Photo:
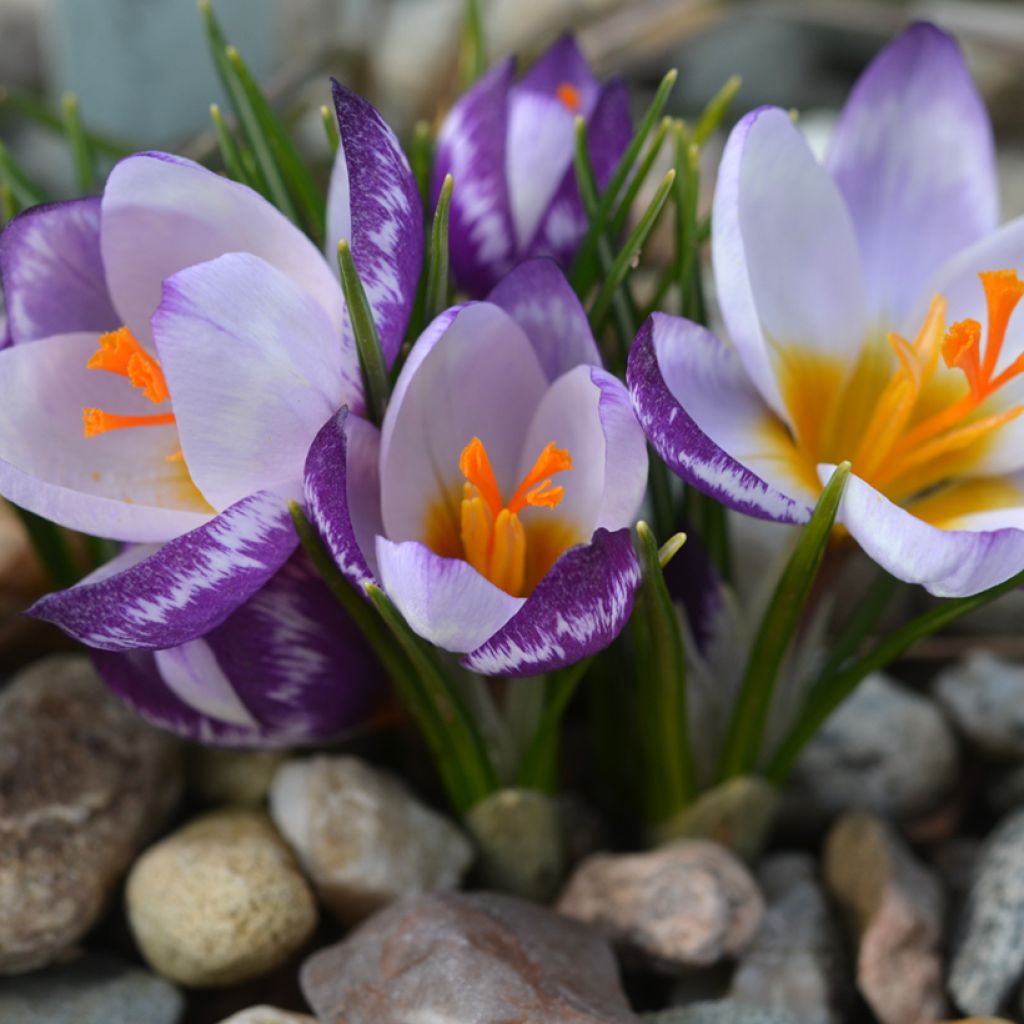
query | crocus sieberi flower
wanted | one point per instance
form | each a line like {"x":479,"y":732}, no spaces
{"x":173,"y":348}
{"x":493,"y":506}
{"x":509,"y":147}
{"x":869,"y":303}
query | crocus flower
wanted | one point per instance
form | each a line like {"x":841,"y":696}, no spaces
{"x":494,"y":503}
{"x":173,"y":348}
{"x":869,"y":302}
{"x":509,"y":148}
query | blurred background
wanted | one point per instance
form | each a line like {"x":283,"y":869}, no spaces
{"x":143,"y":77}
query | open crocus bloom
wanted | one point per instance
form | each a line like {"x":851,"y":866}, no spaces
{"x":509,"y":147}
{"x":173,"y":349}
{"x":494,"y":504}
{"x":870,"y":304}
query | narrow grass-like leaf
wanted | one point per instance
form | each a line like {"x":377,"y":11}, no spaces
{"x":371,"y":356}
{"x":636,"y":183}
{"x":50,"y":543}
{"x":24,"y":190}
{"x":717,"y":107}
{"x":40,"y":113}
{"x":460,"y":730}
{"x":8,"y":207}
{"x":629,"y":252}
{"x":832,"y":690}
{"x":330,"y":122}
{"x":742,"y":747}
{"x":81,"y":152}
{"x":687,"y":191}
{"x":229,"y":151}
{"x":670,"y":549}
{"x":438,"y":265}
{"x":660,"y":682}
{"x":474,"y":45}
{"x":421,"y":159}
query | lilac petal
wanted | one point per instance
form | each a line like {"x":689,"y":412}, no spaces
{"x":563,"y":64}
{"x":254,"y":367}
{"x":785,"y":255}
{"x":471,"y":147}
{"x":914,"y":157}
{"x":162,"y":213}
{"x":444,"y":600}
{"x":947,"y":563}
{"x":121,"y":484}
{"x":578,"y":609}
{"x":539,"y":298}
{"x":681,"y":441}
{"x":374,"y":204}
{"x":343,"y":493}
{"x":52,"y":272}
{"x":609,"y":130}
{"x":183,"y":589}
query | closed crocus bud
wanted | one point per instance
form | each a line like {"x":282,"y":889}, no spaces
{"x":509,"y":147}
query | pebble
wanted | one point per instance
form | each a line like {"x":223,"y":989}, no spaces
{"x":886,"y":750}
{"x":362,"y":837}
{"x":724,"y":1011}
{"x":93,"y":989}
{"x":219,"y":901}
{"x":463,"y":958}
{"x":83,"y":784}
{"x":988,"y":948}
{"x":268,"y":1015}
{"x":796,"y":962}
{"x":225,"y":776}
{"x":689,"y":904}
{"x":519,"y":837}
{"x":984,"y":696}
{"x":893,"y":907}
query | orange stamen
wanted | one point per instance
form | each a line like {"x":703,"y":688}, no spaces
{"x":570,"y":96}
{"x":96,"y":421}
{"x":120,"y":353}
{"x":961,"y":349}
{"x":1003,"y":290}
{"x":492,"y":534}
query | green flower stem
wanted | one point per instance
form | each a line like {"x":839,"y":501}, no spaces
{"x":830,"y":692}
{"x":438,"y":261}
{"x":539,"y":766}
{"x":742,"y":746}
{"x":670,"y":777}
{"x":81,"y":152}
{"x":371,"y":357}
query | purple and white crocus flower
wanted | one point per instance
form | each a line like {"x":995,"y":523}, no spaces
{"x":173,"y":348}
{"x":509,"y":148}
{"x":494,"y":504}
{"x":869,"y":302}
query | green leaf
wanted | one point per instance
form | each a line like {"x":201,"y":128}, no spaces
{"x":8,"y":207}
{"x":716,"y":109}
{"x":40,"y":113}
{"x":474,"y":46}
{"x":585,"y":268}
{"x":670,"y":549}
{"x":687,"y":192}
{"x":371,"y":357}
{"x":660,"y":683}
{"x":50,"y":543}
{"x":81,"y":152}
{"x":24,"y":191}
{"x":636,"y":183}
{"x":629,"y":252}
{"x":421,"y":159}
{"x":438,"y":264}
{"x":330,"y":122}
{"x":229,"y":151}
{"x":742,"y":746}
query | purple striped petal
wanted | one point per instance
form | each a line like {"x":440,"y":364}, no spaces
{"x":539,"y":298}
{"x":578,"y":609}
{"x":343,"y":493}
{"x":471,"y":147}
{"x":563,"y":64}
{"x":914,"y":139}
{"x":183,"y":589}
{"x":374,"y":203}
{"x":52,"y":272}
{"x":684,"y":446}
{"x":947,"y":563}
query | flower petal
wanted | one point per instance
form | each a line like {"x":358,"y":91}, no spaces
{"x":947,"y":563}
{"x":254,"y":367}
{"x":578,"y":609}
{"x":480,"y":379}
{"x":162,"y":598}
{"x":163,"y":213}
{"x":374,"y":204}
{"x":119,"y":484}
{"x":471,"y":147}
{"x":444,"y":600}
{"x":699,"y":411}
{"x":914,"y":139}
{"x":343,"y":493}
{"x":562,"y":64}
{"x":52,"y":273}
{"x":785,"y":256}
{"x":539,"y":298}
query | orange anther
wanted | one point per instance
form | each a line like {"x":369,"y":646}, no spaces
{"x":475,"y":466}
{"x":120,"y":353}
{"x":961,"y":349}
{"x":551,"y":460}
{"x":1003,"y":290}
{"x":570,"y":96}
